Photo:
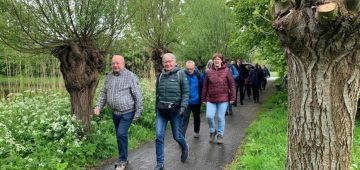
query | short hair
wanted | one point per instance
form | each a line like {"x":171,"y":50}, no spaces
{"x":171,"y":55}
{"x":190,"y":62}
{"x":119,"y":56}
{"x":218,"y":55}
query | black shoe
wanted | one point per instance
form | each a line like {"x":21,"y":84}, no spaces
{"x":241,"y":103}
{"x":159,"y":167}
{"x":185,"y":154}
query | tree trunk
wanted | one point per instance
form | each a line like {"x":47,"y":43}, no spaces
{"x":80,"y":67}
{"x":324,"y":81}
{"x":156,"y":56}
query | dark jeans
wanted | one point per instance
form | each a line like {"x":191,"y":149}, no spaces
{"x":264,"y":82}
{"x":161,"y":123}
{"x":242,"y":93}
{"x":248,"y":90}
{"x":195,"y":109}
{"x":122,"y":123}
{"x":255,"y":90}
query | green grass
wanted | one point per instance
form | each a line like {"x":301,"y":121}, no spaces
{"x":266,"y":139}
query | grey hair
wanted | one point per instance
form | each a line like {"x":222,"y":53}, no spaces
{"x":209,"y":63}
{"x":190,"y":62}
{"x":171,"y":55}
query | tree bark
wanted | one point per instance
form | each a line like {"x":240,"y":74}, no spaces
{"x":156,"y":56}
{"x":80,"y":67}
{"x":324,"y":82}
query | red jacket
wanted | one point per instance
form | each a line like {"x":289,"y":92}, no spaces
{"x":219,"y":86}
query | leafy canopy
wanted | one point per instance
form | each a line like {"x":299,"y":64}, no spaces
{"x":40,"y":25}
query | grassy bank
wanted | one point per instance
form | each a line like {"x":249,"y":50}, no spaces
{"x":38,"y":132}
{"x":266,"y":139}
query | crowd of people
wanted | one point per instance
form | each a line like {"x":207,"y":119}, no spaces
{"x":180,"y":92}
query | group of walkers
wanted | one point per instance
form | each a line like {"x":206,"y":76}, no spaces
{"x":178,"y":93}
{"x":252,"y":79}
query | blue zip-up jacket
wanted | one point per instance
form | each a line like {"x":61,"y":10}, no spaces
{"x":195,"y":85}
{"x":234,"y":72}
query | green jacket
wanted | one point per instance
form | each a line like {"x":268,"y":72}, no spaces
{"x":173,"y":87}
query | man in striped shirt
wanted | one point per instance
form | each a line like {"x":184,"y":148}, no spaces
{"x":122,"y":93}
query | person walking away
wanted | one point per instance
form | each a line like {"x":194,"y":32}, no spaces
{"x":122,"y":93}
{"x":195,"y":86}
{"x":256,"y":76}
{"x":243,"y":74}
{"x":266,"y":74}
{"x":247,"y":82}
{"x":172,"y":98}
{"x":218,"y":91}
{"x":236,"y":75}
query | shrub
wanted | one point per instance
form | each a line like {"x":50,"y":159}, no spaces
{"x":37,"y":131}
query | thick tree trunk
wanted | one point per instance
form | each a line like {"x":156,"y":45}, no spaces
{"x":322,"y":107}
{"x":156,"y":56}
{"x":80,"y":67}
{"x":324,"y":82}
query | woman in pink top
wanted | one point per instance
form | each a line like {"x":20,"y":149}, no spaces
{"x":218,"y":91}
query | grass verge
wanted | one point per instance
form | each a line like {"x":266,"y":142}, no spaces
{"x":266,"y":139}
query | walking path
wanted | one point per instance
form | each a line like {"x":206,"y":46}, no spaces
{"x":203,"y":155}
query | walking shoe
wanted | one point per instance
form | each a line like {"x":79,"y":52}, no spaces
{"x":121,"y":165}
{"x":185,"y":154}
{"x":219,"y":139}
{"x":212,"y":137}
{"x":197,"y":135}
{"x":159,"y":167}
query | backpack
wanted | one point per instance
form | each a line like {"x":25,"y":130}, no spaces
{"x":178,"y":76}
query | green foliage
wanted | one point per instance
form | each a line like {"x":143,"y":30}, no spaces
{"x":255,"y":39}
{"x":38,"y":132}
{"x":266,"y":139}
{"x":356,"y":147}
{"x":40,"y":26}
{"x":206,"y":26}
{"x":153,"y":21}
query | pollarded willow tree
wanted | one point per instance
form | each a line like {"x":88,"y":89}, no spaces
{"x":78,"y":33}
{"x":153,"y":21}
{"x":206,"y":26}
{"x":321,"y":41}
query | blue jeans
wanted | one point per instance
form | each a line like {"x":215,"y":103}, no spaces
{"x":122,"y":124}
{"x":161,"y":123}
{"x":220,"y":109}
